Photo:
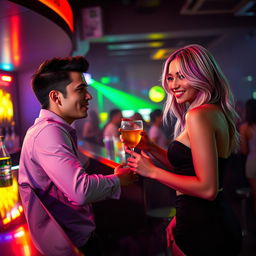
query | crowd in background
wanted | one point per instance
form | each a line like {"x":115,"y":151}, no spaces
{"x":89,"y":129}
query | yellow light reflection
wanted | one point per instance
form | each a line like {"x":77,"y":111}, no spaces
{"x":162,"y":54}
{"x":6,"y":107}
{"x":103,"y":117}
{"x":156,"y":36}
{"x":26,"y":250}
{"x":8,"y":199}
{"x":156,"y":93}
{"x":156,"y":44}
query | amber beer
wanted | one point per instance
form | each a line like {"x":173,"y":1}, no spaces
{"x":131,"y":137}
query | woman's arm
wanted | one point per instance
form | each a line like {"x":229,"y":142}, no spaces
{"x":156,"y":151}
{"x":160,"y":155}
{"x":205,"y":159}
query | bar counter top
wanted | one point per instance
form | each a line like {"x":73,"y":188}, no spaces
{"x":99,"y":153}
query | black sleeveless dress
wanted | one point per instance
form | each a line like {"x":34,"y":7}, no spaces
{"x":203,"y":227}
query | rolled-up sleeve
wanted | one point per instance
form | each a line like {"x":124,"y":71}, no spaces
{"x":54,"y":151}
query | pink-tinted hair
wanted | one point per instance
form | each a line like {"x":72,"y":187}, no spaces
{"x":204,"y":74}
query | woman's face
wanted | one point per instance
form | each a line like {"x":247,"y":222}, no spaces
{"x":178,"y":85}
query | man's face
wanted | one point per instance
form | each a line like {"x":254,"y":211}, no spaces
{"x":75,"y":105}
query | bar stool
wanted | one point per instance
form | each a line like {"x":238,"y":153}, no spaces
{"x":244,"y":194}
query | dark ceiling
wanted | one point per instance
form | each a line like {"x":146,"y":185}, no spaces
{"x":139,"y":28}
{"x":27,"y":38}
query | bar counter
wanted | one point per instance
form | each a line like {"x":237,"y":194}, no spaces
{"x":145,"y":199}
{"x":99,"y":153}
{"x":115,"y":217}
{"x":136,"y":223}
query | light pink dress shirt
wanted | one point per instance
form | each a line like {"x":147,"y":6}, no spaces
{"x":49,"y":164}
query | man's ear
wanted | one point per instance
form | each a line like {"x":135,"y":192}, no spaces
{"x":54,"y":96}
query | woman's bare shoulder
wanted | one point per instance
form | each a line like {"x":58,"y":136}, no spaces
{"x":206,"y":108}
{"x":203,"y":111}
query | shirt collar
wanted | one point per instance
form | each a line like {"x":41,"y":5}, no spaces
{"x":49,"y":115}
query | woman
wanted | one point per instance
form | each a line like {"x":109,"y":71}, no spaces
{"x":205,"y":135}
{"x":248,"y":145}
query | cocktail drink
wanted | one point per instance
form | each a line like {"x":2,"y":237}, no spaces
{"x":131,"y":132}
{"x":131,"y":137}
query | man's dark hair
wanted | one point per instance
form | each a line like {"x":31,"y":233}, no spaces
{"x":154,"y":114}
{"x":113,"y":113}
{"x":54,"y":74}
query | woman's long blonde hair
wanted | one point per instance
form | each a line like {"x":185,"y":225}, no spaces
{"x":204,"y":74}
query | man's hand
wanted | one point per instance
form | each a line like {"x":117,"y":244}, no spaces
{"x":125,"y":175}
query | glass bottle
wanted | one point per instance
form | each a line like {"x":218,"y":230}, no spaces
{"x":5,"y":166}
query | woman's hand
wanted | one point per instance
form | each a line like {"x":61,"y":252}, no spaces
{"x":145,"y":143}
{"x":140,"y":163}
{"x":169,"y":232}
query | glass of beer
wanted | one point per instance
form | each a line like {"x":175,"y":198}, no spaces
{"x":131,"y":132}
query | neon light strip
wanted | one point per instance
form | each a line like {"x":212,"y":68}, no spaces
{"x":6,"y":47}
{"x":15,"y":29}
{"x":62,"y":8}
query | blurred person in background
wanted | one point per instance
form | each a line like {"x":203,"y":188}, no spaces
{"x":91,"y":129}
{"x":49,"y":162}
{"x":248,"y":145}
{"x":111,"y":128}
{"x":205,"y":134}
{"x":156,"y":133}
{"x":138,"y":116}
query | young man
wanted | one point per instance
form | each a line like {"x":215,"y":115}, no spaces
{"x":49,"y":161}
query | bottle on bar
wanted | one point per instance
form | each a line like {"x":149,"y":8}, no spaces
{"x":5,"y":165}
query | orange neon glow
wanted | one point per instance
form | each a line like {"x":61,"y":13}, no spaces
{"x":15,"y":35}
{"x":62,"y":8}
{"x":22,"y":237}
{"x":6,"y":78}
